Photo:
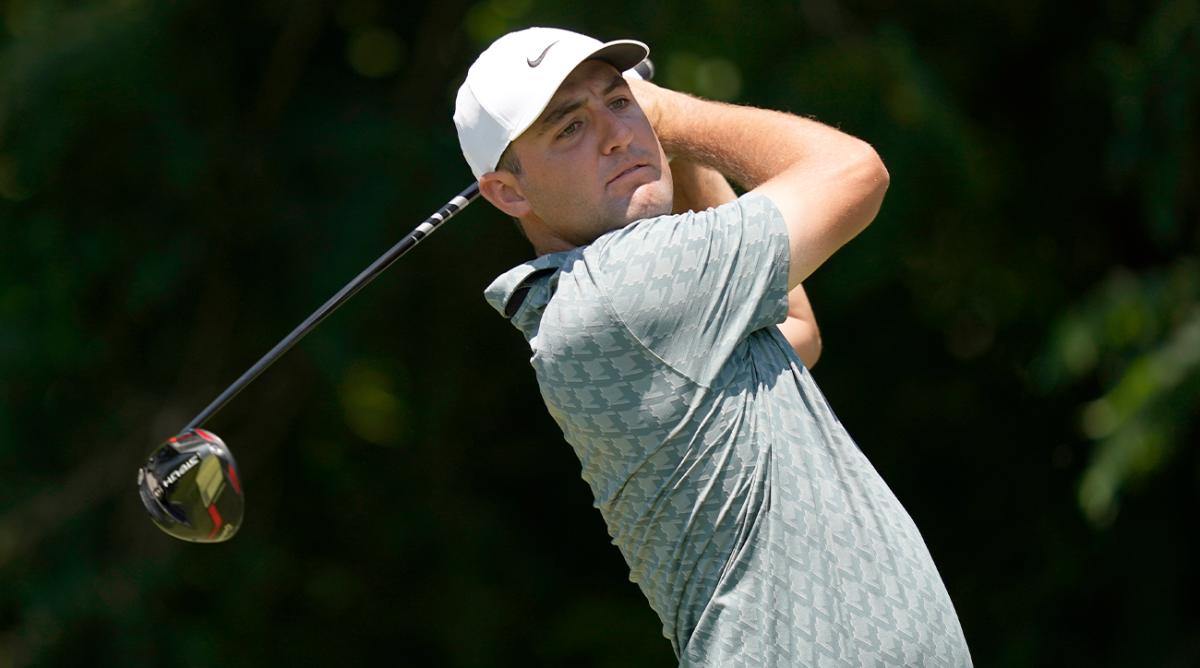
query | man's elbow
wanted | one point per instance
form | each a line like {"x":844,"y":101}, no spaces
{"x":809,"y":350}
{"x":804,"y":337}
{"x":873,"y":179}
{"x":865,"y":180}
{"x":881,"y":177}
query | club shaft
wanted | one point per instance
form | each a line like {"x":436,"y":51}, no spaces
{"x":458,"y":203}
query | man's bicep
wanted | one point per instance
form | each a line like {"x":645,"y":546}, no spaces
{"x":824,"y":207}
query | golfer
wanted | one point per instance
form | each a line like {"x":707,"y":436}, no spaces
{"x":753,"y":524}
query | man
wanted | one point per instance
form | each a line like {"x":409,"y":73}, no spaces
{"x":754,"y":526}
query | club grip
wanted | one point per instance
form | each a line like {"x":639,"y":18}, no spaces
{"x":645,"y":69}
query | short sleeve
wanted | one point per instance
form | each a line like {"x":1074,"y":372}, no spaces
{"x":692,"y":287}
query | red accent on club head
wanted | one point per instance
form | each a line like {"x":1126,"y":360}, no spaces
{"x":206,"y":435}
{"x":216,"y":518}
{"x":172,"y":440}
{"x":233,"y":480}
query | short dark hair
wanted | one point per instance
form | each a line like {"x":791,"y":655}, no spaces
{"x":508,"y":161}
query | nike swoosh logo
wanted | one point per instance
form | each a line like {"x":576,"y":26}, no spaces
{"x":538,"y":61}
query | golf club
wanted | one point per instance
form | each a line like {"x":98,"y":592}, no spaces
{"x":190,"y":483}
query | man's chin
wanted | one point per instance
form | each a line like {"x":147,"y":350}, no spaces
{"x":648,"y":201}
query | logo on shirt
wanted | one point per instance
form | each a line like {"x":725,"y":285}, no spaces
{"x":538,"y":61}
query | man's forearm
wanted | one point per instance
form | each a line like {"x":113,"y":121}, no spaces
{"x":746,"y":144}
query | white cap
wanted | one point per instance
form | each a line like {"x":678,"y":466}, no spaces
{"x":513,"y":80}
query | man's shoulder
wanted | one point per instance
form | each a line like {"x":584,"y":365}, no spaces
{"x":748,"y":207}
{"x":651,"y":271}
{"x":666,"y":253}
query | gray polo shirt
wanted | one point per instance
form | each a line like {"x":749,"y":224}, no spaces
{"x":751,"y":521}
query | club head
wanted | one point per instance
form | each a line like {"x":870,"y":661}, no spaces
{"x":191,"y":489}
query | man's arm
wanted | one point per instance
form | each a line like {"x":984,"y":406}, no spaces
{"x":800,"y":328}
{"x":827,"y":184}
{"x":698,"y":188}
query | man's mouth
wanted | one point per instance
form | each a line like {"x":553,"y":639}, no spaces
{"x":626,"y":172}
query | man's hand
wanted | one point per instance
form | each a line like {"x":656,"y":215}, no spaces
{"x":649,"y":97}
{"x":827,"y":184}
{"x":698,"y":188}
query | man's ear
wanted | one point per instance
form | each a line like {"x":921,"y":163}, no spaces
{"x":502,"y":189}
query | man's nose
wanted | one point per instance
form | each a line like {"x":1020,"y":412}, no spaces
{"x":617,"y":133}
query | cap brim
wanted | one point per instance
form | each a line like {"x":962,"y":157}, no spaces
{"x":623,"y":54}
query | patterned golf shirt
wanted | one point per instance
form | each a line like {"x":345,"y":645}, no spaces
{"x":751,"y":521}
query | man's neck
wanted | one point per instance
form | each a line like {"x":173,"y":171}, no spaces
{"x":544,"y":242}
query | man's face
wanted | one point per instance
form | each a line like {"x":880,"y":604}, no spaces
{"x":591,"y":163}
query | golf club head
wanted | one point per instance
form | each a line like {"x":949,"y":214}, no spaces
{"x":191,"y":489}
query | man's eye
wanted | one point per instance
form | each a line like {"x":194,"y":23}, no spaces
{"x":569,"y":130}
{"x":619,"y":103}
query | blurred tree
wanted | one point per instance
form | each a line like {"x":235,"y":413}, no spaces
{"x":1015,"y":343}
{"x":1137,"y":334}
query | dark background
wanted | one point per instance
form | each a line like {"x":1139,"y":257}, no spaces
{"x":1014,"y":343}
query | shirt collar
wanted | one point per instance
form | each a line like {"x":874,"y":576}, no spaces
{"x":521,"y":293}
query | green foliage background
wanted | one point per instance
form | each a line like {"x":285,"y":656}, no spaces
{"x":1015,"y":342}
